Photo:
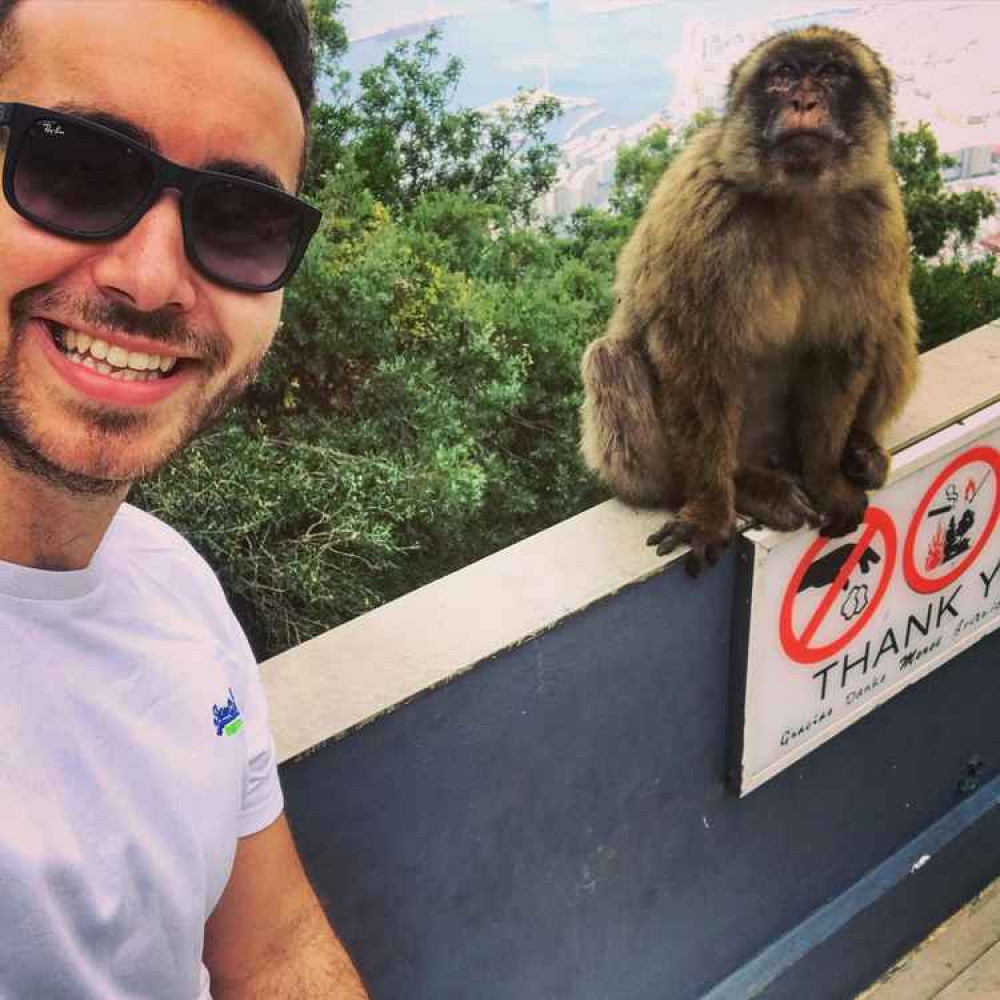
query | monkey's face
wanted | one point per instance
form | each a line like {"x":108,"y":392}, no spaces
{"x":811,"y":110}
{"x":802,"y":99}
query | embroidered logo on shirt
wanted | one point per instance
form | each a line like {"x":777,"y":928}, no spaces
{"x":227,"y":719}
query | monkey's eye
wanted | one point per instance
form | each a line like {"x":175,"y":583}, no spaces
{"x":783,"y":73}
{"x":831,"y":71}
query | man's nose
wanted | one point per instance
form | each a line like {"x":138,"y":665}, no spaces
{"x":147,"y":267}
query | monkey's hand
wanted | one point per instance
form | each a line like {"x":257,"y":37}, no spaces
{"x":774,"y":498}
{"x":865,"y":462}
{"x":706,"y":529}
{"x":843,"y":510}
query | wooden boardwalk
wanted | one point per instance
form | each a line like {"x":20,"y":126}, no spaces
{"x":959,"y":961}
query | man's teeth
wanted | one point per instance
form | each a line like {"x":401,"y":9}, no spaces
{"x":115,"y":361}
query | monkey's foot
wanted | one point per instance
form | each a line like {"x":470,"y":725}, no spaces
{"x":774,"y":498}
{"x":865,"y":462}
{"x":844,"y":511}
{"x":706,"y":540}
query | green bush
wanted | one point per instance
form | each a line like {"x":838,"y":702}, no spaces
{"x":416,"y":413}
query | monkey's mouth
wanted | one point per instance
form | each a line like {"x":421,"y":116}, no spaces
{"x":806,"y":152}
{"x":806,"y":137}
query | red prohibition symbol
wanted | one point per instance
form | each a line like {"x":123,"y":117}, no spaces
{"x":919,"y":581}
{"x":798,"y":646}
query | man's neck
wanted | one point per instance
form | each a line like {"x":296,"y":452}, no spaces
{"x":44,"y":527}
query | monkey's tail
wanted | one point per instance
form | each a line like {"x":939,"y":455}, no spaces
{"x":622,"y":438}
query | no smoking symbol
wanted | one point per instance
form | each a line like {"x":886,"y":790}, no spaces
{"x":851,"y":581}
{"x":954,"y":521}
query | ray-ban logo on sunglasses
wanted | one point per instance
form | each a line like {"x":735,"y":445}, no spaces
{"x":50,"y":128}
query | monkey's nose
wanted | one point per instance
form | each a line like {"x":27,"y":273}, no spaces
{"x":802,"y":104}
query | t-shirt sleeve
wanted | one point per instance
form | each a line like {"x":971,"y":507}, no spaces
{"x":148,"y":541}
{"x":263,"y":799}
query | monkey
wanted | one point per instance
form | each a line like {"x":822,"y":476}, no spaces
{"x":763,"y":335}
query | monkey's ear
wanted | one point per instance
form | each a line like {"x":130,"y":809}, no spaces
{"x":734,"y":75}
{"x":750,"y":64}
{"x":886,"y":79}
{"x":883,"y":72}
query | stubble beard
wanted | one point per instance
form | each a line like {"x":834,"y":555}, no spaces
{"x":28,"y":450}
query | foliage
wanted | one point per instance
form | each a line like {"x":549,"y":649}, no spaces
{"x":935,"y":215}
{"x":953,"y":298}
{"x":638,"y":168}
{"x":417,"y":412}
{"x":330,"y":114}
{"x":405,"y":139}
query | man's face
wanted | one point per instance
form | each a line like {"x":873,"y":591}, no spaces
{"x":209,"y":90}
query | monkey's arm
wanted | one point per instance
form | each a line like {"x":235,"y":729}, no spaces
{"x":827,"y":398}
{"x":894,"y":372}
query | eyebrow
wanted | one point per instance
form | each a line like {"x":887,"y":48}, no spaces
{"x":234,"y":168}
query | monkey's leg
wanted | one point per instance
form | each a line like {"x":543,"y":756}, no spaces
{"x":865,"y":461}
{"x":774,"y":498}
{"x":622,"y":437}
{"x":827,"y":393}
{"x":706,"y":408}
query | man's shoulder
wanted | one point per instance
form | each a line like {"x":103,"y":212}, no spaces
{"x":142,"y":532}
{"x":157,"y":565}
{"x":137,"y":535}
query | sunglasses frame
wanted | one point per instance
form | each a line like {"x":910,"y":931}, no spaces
{"x":19,"y":118}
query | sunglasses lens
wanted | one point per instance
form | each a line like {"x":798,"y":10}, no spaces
{"x":76,"y":179}
{"x":243,"y":234}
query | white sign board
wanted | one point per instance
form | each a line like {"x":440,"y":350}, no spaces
{"x":838,"y":626}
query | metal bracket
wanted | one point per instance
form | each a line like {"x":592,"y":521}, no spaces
{"x":972,"y":774}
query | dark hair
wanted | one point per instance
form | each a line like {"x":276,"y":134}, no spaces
{"x":8,"y":43}
{"x":284,"y":25}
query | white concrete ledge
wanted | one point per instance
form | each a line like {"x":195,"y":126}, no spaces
{"x":956,"y":379}
{"x":354,"y":673}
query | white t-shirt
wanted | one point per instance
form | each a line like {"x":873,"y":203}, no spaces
{"x":134,"y":751}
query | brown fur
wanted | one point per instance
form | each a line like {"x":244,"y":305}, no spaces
{"x":764,"y":334}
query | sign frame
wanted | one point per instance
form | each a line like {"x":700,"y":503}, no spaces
{"x":754,"y":615}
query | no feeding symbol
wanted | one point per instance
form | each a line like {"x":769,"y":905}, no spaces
{"x":954,"y":521}
{"x":850,"y":581}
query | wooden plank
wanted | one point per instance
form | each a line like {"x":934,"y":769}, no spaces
{"x":956,"y":379}
{"x":939,"y":962}
{"x":981,"y":981}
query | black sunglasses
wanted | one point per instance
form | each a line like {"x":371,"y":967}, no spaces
{"x":79,"y":179}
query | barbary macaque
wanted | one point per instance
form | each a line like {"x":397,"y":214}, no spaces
{"x":764,"y":334}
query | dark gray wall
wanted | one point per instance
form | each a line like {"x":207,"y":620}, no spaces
{"x":554,"y":825}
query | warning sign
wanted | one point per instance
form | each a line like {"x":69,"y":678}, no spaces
{"x":839,"y":626}
{"x":833,"y":594}
{"x":954,"y":521}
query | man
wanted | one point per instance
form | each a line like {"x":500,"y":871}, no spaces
{"x":141,"y":824}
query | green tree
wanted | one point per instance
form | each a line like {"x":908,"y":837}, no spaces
{"x":402,"y":133}
{"x":417,"y":412}
{"x":330,"y":118}
{"x":639,"y":167}
{"x":935,"y":215}
{"x":953,"y":298}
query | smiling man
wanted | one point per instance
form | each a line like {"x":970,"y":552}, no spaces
{"x":150,"y":154}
